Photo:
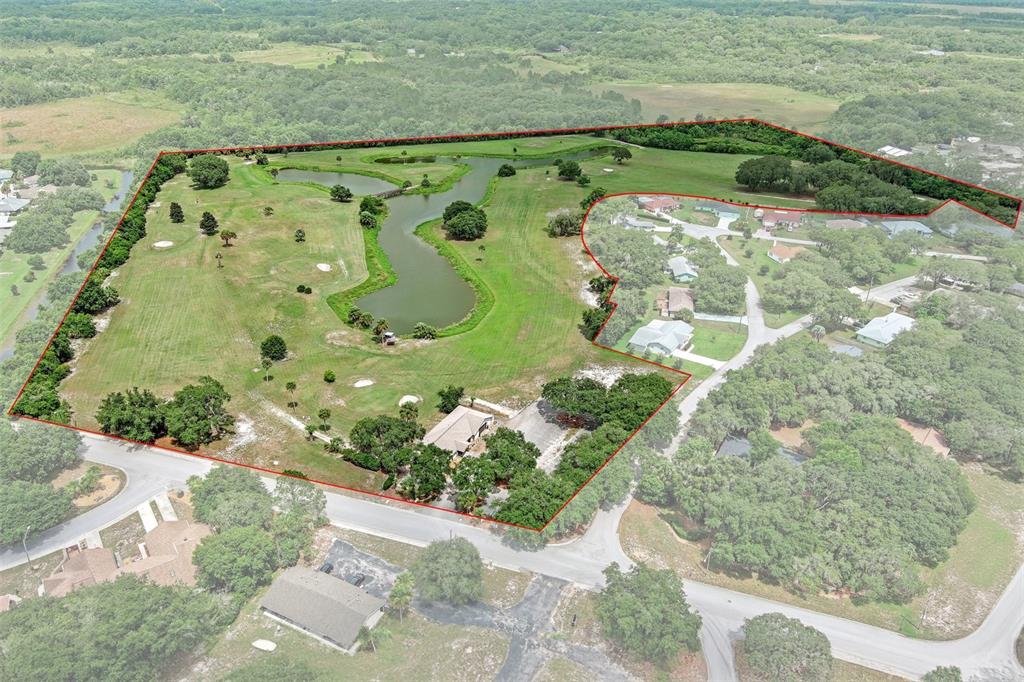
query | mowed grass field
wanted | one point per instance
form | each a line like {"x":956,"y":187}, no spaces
{"x":678,"y":172}
{"x":785,"y":106}
{"x":182,"y":317}
{"x":84,"y":124}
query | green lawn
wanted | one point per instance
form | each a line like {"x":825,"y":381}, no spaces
{"x":718,"y":340}
{"x":181,"y":317}
{"x":14,"y":266}
{"x":678,"y":172}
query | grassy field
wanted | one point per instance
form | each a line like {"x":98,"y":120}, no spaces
{"x":718,"y":340}
{"x":786,"y":106}
{"x":959,"y":592}
{"x":666,"y":170}
{"x":292,"y":54}
{"x":214,"y":320}
{"x":14,"y":266}
{"x":84,"y":124}
{"x":182,"y":317}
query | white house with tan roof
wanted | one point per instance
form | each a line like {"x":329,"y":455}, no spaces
{"x":459,"y":429}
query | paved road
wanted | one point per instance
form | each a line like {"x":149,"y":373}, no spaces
{"x":984,"y":653}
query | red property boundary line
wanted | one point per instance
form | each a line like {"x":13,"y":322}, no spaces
{"x":469,"y":137}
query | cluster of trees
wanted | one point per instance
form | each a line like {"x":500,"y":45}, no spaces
{"x":61,"y":172}
{"x":45,"y":227}
{"x":450,"y":571}
{"x":195,"y":416}
{"x":128,"y":629}
{"x":464,"y":221}
{"x":891,"y":504}
{"x":613,"y":413}
{"x":817,"y":281}
{"x":645,"y":612}
{"x":29,"y":459}
{"x":566,"y":223}
{"x":256,"y":531}
{"x":837,"y":185}
{"x":41,"y":398}
{"x":371,"y":211}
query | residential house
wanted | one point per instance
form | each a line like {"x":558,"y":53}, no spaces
{"x":845,"y":224}
{"x":787,"y":219}
{"x":166,"y":560}
{"x":661,"y":337}
{"x":895,"y":227}
{"x":326,"y":608}
{"x":634,"y":223}
{"x":681,"y":269}
{"x":655,"y":204}
{"x":893,"y":151}
{"x":81,"y":568}
{"x":167,"y":553}
{"x":673,"y":301}
{"x":783,"y":253}
{"x":10,"y":206}
{"x":721,"y":210}
{"x":459,"y":429}
{"x":880,"y":331}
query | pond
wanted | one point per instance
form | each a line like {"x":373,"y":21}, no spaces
{"x":428,"y":288}
{"x":360,"y":185}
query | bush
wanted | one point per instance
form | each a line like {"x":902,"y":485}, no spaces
{"x":329,"y":376}
{"x":507,"y":170}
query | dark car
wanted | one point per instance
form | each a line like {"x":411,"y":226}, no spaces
{"x":356,"y":579}
{"x":327,"y":567}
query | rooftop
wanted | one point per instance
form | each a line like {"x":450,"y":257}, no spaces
{"x":455,"y":432}
{"x":322,"y":604}
{"x":884,"y":329}
{"x":668,"y":334}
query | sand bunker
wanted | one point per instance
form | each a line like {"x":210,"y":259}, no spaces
{"x":323,"y":267}
{"x":163,"y":245}
{"x":408,"y":399}
{"x":363,"y":383}
{"x":608,"y":170}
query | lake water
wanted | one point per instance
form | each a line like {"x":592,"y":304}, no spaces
{"x":428,"y":288}
{"x":360,"y":185}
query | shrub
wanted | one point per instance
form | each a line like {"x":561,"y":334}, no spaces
{"x":329,"y":376}
{"x":273,"y":348}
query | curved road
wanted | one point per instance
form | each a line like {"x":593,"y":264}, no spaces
{"x":987,"y":653}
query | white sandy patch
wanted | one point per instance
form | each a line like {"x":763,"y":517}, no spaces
{"x":323,"y":267}
{"x":608,"y":170}
{"x":409,"y":399}
{"x":245,"y":433}
{"x":363,"y":383}
{"x":164,"y":244}
{"x":341,"y":266}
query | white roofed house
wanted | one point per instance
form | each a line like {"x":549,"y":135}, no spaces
{"x":10,"y":206}
{"x":661,"y":337}
{"x":459,"y":429}
{"x":880,"y":331}
{"x":719,"y":209}
{"x":681,"y":269}
{"x":895,"y":227}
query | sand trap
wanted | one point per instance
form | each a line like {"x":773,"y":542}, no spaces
{"x":163,"y":245}
{"x":363,"y":383}
{"x":323,"y":267}
{"x":408,"y":399}
{"x":608,"y":170}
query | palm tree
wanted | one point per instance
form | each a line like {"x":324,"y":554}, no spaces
{"x":374,"y":636}
{"x":267,"y":364}
{"x":818,"y":332}
{"x":324,"y":415}
{"x":290,"y":387}
{"x":310,"y":430}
